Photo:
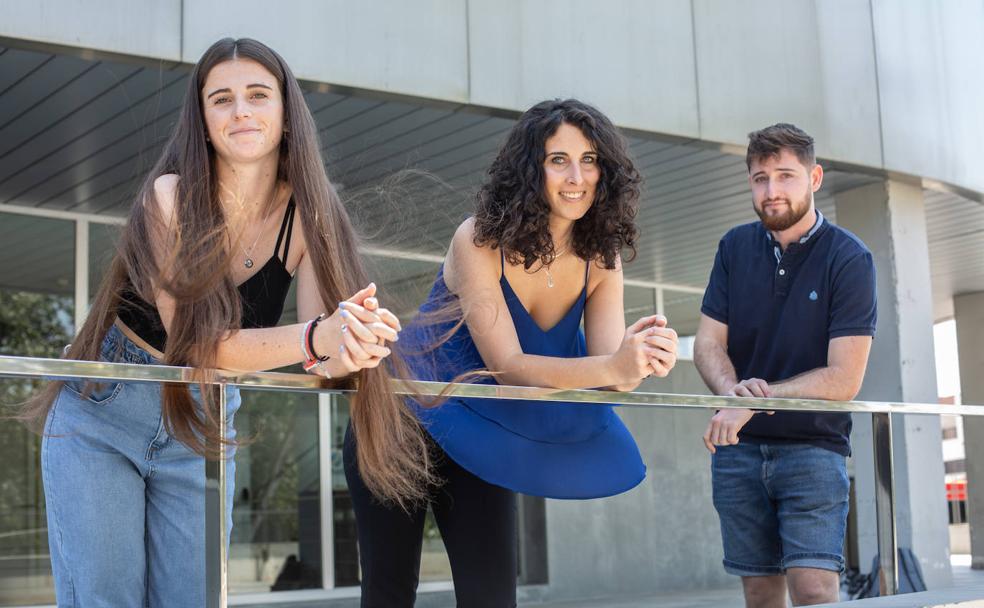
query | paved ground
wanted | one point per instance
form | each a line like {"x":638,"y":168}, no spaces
{"x":967,"y":584}
{"x":963,"y":579}
{"x":700,"y":599}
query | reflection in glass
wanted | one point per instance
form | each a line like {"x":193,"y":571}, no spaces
{"x":36,"y":318}
{"x":102,"y":246}
{"x":276,"y":535}
{"x":434,"y":564}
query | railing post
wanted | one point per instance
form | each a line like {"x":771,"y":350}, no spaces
{"x":215,"y":519}
{"x":888,"y":555}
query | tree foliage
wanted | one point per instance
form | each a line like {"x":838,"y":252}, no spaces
{"x":32,"y":325}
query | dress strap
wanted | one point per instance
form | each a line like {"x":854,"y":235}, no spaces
{"x":502,"y":262}
{"x":288,"y":227}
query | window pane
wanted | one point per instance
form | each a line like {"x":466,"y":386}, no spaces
{"x":36,"y":318}
{"x":682,"y":310}
{"x":276,"y":535}
{"x":102,"y":246}
{"x":434,"y":564}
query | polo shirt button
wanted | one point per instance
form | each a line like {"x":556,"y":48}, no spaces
{"x":782,"y":272}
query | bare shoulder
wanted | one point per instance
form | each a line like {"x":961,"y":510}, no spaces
{"x":165,"y":195}
{"x":464,"y":234}
{"x":599,"y":276}
{"x":465,"y":257}
{"x":463,"y":243}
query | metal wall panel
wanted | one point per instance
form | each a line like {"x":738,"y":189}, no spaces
{"x":931,"y":82}
{"x":149,"y":28}
{"x":632,"y":59}
{"x":759,"y":63}
{"x":416,"y":48}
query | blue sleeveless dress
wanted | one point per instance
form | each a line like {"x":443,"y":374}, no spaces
{"x":556,"y":450}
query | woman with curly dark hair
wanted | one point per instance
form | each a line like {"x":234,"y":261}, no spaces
{"x":541,"y":253}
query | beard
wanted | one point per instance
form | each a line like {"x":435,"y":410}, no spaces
{"x":777,"y":222}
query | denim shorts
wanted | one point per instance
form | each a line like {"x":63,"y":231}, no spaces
{"x":781,"y":507}
{"x":125,"y":501}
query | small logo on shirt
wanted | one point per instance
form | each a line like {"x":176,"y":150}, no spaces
{"x":813,"y":296}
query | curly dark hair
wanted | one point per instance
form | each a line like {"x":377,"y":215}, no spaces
{"x":513,"y":212}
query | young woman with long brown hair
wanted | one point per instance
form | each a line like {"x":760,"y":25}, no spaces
{"x":238,"y":204}
{"x":541,"y":253}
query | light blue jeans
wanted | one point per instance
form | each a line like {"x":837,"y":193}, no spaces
{"x":125,"y":501}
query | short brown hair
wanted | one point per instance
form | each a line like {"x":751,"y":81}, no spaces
{"x":770,"y":141}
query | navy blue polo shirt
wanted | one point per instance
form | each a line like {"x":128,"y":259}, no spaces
{"x":782,"y":308}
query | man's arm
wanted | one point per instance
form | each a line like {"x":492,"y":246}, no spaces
{"x":711,"y":356}
{"x":715,"y":367}
{"x":840,"y":380}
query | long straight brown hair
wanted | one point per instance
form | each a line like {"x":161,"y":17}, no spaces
{"x":393,"y":454}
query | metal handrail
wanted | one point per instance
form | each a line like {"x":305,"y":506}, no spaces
{"x":215,"y":470}
{"x":32,"y":367}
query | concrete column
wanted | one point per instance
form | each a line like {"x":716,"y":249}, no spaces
{"x":889,"y":217}
{"x":968,"y":310}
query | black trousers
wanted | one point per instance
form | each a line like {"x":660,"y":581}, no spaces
{"x":477,"y":521}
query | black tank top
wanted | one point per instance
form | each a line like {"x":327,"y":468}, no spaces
{"x":262,"y":295}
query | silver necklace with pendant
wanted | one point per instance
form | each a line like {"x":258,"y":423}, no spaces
{"x":546,"y":267}
{"x":248,"y":262}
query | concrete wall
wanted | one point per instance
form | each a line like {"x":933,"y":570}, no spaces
{"x":673,"y":540}
{"x":880,"y":83}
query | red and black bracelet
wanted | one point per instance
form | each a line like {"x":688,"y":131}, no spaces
{"x":311,"y":358}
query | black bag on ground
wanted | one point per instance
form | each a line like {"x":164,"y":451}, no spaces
{"x":910,"y":576}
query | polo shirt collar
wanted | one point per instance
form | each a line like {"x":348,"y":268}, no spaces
{"x":806,"y":237}
{"x":818,"y":225}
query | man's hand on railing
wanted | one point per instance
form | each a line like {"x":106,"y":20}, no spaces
{"x":724,"y":425}
{"x":752,"y":387}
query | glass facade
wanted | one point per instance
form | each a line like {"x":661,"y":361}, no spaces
{"x":290,"y":482}
{"x":277,"y":542}
{"x":276,"y":535}
{"x":36,"y":319}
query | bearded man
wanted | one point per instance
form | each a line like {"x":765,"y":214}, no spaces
{"x":789,"y":312}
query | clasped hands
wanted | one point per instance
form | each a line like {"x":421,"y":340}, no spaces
{"x":357,"y":331}
{"x":648,"y":348}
